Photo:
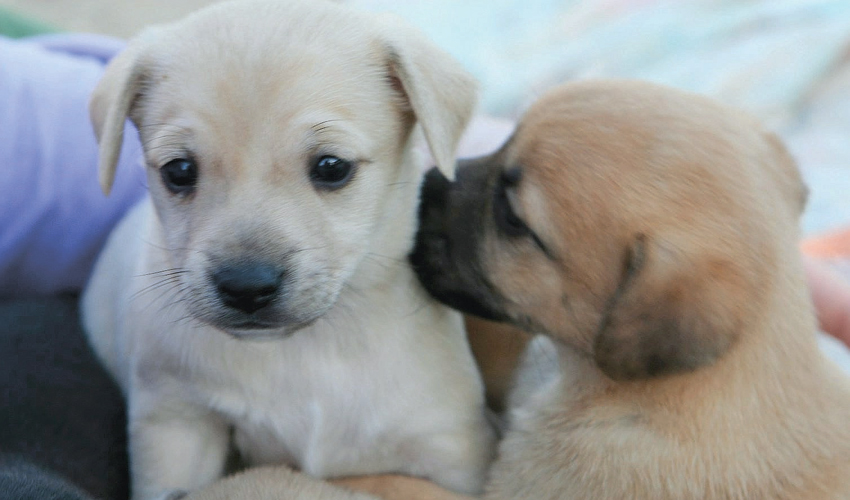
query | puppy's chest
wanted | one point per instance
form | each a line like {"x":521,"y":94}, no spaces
{"x":303,"y":404}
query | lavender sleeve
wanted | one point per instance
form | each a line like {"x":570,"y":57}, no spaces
{"x":53,"y":216}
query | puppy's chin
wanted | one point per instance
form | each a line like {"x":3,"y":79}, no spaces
{"x":468,"y":303}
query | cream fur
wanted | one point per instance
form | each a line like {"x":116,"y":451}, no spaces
{"x":361,"y":372}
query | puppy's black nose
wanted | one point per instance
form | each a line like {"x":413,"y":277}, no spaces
{"x":247,"y":286}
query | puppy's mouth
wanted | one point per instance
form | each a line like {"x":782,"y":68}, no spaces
{"x":251,"y":332}
{"x":251,"y":325}
{"x":247,"y":327}
{"x":260,"y":330}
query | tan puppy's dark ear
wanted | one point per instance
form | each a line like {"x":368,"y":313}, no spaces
{"x":670,"y":314}
{"x":439,"y":91}
{"x":110,"y":106}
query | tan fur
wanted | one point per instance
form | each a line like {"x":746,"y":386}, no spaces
{"x":498,"y":349}
{"x":674,"y":295}
{"x":337,"y":376}
{"x":755,"y":411}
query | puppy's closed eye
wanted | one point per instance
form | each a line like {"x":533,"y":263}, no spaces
{"x":506,"y":218}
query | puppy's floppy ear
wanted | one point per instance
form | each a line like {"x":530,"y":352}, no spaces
{"x":791,"y":182}
{"x":110,"y":106}
{"x":670,"y":314}
{"x":440,"y":92}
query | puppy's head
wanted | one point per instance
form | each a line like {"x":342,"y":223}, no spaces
{"x":637,"y":224}
{"x":276,"y":137}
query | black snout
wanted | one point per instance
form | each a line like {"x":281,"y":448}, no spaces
{"x":433,"y":205}
{"x":247,"y":286}
{"x":446,"y":255}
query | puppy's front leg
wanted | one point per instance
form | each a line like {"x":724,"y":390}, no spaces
{"x":175,"y":450}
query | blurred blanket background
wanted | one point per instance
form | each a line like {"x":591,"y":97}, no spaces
{"x":786,"y":61}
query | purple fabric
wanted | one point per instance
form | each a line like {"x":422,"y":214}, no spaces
{"x":53,"y":216}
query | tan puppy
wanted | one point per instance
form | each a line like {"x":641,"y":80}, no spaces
{"x":652,"y":235}
{"x":278,"y":141}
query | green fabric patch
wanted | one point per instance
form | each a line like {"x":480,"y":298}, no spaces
{"x":15,"y":25}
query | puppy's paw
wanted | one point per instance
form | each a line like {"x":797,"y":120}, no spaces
{"x":395,"y":487}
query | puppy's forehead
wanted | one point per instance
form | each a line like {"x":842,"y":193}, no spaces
{"x":254,"y":55}
{"x":625,"y":134}
{"x":630,"y":155}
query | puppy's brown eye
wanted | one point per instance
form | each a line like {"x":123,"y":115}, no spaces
{"x":180,"y":176}
{"x":329,"y":172}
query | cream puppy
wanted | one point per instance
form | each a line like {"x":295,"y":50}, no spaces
{"x":261,"y":295}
